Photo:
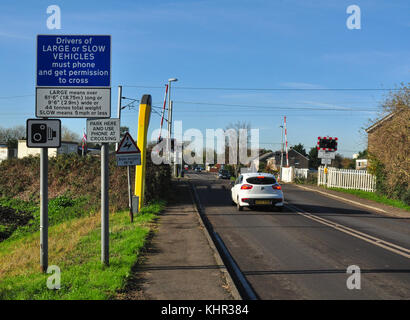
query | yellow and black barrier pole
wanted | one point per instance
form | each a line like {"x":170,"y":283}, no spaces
{"x":143,"y":123}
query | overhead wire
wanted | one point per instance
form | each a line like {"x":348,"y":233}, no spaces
{"x":265,"y":89}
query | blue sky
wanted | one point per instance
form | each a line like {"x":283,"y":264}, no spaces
{"x":284,"y":44}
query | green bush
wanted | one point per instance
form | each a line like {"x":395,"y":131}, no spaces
{"x":311,"y":179}
{"x":157,"y":181}
{"x":399,"y":190}
{"x":405,"y":197}
{"x":74,"y":189}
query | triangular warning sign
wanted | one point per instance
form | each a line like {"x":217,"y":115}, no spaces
{"x":127,"y":145}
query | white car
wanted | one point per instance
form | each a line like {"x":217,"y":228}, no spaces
{"x":257,"y":189}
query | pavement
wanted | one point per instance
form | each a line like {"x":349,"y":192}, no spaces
{"x":180,"y":262}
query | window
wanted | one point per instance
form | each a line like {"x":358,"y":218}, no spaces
{"x":261,"y":180}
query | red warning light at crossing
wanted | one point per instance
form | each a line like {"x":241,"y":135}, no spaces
{"x":327,"y":143}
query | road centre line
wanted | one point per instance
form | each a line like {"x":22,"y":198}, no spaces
{"x":343,"y":199}
{"x":360,"y":235}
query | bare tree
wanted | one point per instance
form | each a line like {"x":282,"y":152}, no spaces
{"x":237,"y":126}
{"x":68,"y":135}
{"x":10,"y":136}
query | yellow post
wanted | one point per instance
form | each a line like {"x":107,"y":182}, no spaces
{"x":143,"y":123}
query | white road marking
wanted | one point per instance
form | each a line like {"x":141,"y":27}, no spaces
{"x":344,"y":199}
{"x":358,"y":234}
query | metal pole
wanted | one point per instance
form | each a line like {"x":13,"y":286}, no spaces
{"x":170,"y":133}
{"x":130,"y":193}
{"x":119,"y":109}
{"x":169,"y":123}
{"x":281,"y":155}
{"x":175,"y":151}
{"x":104,"y":205}
{"x":44,"y":209}
{"x":163,"y":112}
{"x":169,"y":110}
{"x":286,"y":141}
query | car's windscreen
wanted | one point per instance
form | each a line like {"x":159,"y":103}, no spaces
{"x":261,"y":180}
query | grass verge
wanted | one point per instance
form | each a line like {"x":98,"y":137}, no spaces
{"x":74,"y":246}
{"x":374,"y":197}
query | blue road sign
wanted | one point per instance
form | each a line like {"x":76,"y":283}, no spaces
{"x":73,"y":61}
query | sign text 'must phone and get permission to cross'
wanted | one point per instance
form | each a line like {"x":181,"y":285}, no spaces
{"x":73,"y":76}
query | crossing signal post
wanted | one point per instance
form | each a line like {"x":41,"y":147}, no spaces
{"x":327,"y":144}
{"x":326,"y":147}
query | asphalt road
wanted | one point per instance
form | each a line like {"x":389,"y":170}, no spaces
{"x":304,"y":254}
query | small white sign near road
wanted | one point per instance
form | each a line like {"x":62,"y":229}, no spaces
{"x":103,"y":130}
{"x":73,"y":102}
{"x":326,"y":154}
{"x":124,"y":160}
{"x":128,"y":153}
{"x":326,"y":161}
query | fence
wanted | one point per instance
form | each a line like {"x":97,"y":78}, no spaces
{"x":301,"y":173}
{"x":347,"y":179}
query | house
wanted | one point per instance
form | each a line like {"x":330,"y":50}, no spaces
{"x":361,"y":164}
{"x":296,"y":159}
{"x":65,"y":148}
{"x":378,"y":127}
{"x":388,"y":139}
{"x":272,"y":160}
{"x":6,"y":152}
